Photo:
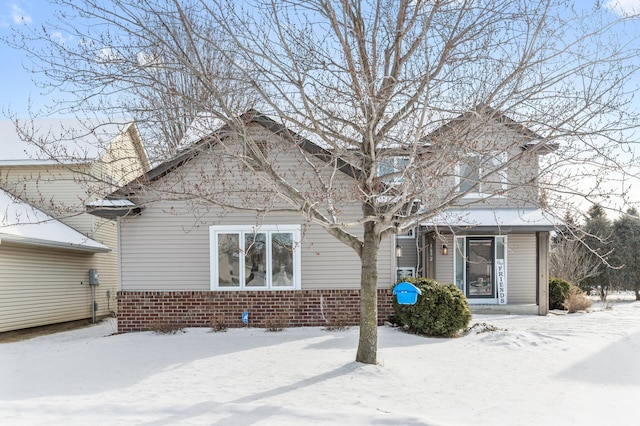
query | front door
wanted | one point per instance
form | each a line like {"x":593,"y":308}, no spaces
{"x":480,"y":282}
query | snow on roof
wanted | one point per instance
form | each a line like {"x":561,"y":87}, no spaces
{"x":69,"y":140}
{"x":110,"y":203}
{"x":21,"y":222}
{"x":501,"y":218}
{"x":203,"y":125}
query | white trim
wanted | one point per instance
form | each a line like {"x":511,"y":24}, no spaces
{"x":410,"y":234}
{"x":508,"y":218}
{"x":119,"y":234}
{"x":241,"y":230}
{"x":410,"y":269}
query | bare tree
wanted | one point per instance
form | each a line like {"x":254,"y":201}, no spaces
{"x":571,"y":258}
{"x":369,"y":81}
{"x":572,"y":261}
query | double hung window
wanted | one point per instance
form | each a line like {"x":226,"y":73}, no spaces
{"x":482,"y":174}
{"x":246,"y":257}
{"x":393,"y":167}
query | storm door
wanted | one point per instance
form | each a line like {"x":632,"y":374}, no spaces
{"x":480,"y":278}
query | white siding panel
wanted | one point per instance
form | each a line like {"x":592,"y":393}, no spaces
{"x":444,"y":264}
{"x":54,"y":189}
{"x":521,"y":268}
{"x":40,"y":287}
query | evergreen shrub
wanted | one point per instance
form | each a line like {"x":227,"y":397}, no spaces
{"x":558,"y":292}
{"x":441,"y":310}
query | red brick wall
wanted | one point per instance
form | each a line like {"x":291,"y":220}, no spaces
{"x":142,"y":310}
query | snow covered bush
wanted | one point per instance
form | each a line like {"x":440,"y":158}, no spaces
{"x":441,"y":309}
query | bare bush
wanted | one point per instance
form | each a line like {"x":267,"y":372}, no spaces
{"x":576,"y":301}
{"x":276,"y":322}
{"x":217,"y":323}
{"x":339,"y":322}
{"x":167,"y":327}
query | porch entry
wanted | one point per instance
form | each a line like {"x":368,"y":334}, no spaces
{"x":480,"y":268}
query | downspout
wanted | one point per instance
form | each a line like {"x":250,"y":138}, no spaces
{"x":119,"y":245}
{"x":93,"y":303}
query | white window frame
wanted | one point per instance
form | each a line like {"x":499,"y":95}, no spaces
{"x":241,"y":230}
{"x":405,"y":272}
{"x":395,"y":164}
{"x":409,"y":233}
{"x":479,"y":190}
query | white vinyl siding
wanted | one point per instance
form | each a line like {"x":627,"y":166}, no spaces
{"x":41,"y":286}
{"x":165,"y":252}
{"x":444,"y":264}
{"x":47,"y":185}
{"x":521,"y":268}
{"x":121,"y":162}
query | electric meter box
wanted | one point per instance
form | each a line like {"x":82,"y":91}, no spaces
{"x":94,"y":277}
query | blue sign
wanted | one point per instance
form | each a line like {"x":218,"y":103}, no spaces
{"x":245,"y":317}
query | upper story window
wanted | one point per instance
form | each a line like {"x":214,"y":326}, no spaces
{"x":407,"y":233}
{"x":250,"y":258}
{"x":482,"y":174}
{"x":391,"y":166}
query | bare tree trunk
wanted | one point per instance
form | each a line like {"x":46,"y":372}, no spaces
{"x":368,"y":343}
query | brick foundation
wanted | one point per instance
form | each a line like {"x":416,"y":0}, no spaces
{"x":142,"y":310}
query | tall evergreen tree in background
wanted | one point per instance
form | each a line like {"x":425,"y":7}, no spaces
{"x":597,"y":240}
{"x":626,"y":243}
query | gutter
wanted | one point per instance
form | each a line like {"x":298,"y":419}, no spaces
{"x":97,"y":248}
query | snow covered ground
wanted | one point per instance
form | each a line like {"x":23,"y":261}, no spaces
{"x":580,"y":369}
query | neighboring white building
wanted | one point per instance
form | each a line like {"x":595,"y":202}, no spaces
{"x":47,"y":243}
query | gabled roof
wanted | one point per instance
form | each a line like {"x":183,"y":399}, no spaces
{"x":22,"y":223}
{"x":530,"y":137}
{"x":108,"y":209}
{"x":251,"y":116}
{"x":75,"y":141}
